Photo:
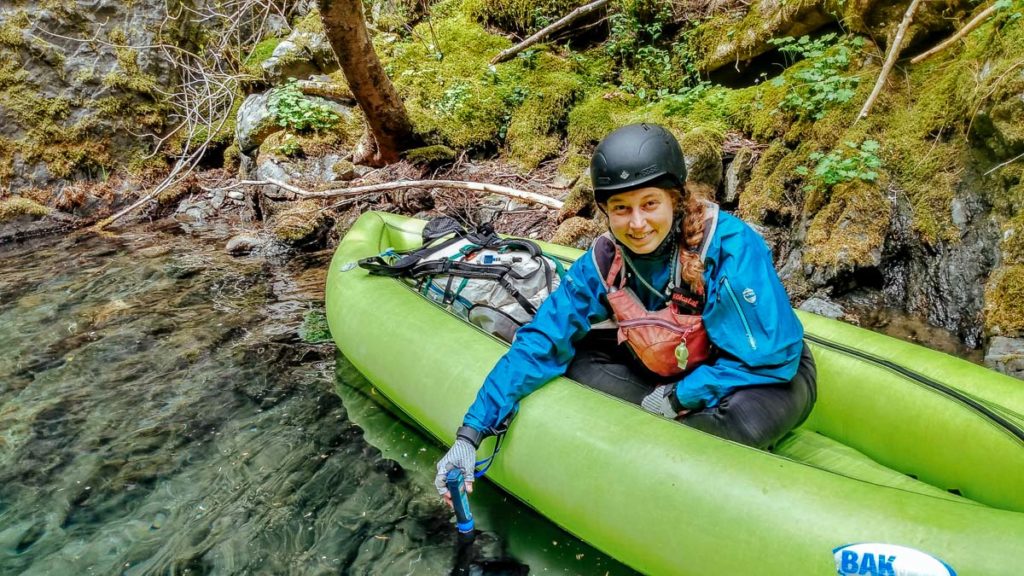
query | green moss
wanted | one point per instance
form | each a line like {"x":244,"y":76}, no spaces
{"x":314,"y":329}
{"x":600,"y":112}
{"x":12,"y":30}
{"x":704,"y":145}
{"x":550,"y":89}
{"x":298,"y":221}
{"x":232,"y":157}
{"x":256,"y":57}
{"x":16,"y":206}
{"x":850,"y":230}
{"x":451,"y":99}
{"x":1012,"y":245}
{"x":519,"y":15}
{"x":773,"y":191}
{"x":1004,"y":301}
{"x":311,"y":23}
{"x":430,"y":154}
{"x":7,"y":150}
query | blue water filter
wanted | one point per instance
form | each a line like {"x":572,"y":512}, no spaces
{"x":457,"y":489}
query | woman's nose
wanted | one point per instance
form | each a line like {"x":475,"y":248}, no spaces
{"x":636,"y":219}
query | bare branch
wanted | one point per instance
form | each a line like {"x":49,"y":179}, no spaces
{"x":399,"y":184}
{"x":890,"y":59}
{"x":977,"y":20}
{"x":547,"y":30}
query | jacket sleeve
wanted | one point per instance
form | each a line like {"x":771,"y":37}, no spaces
{"x":542,"y":349}
{"x":748,"y":318}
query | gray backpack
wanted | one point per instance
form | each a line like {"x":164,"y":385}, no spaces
{"x":496,"y":283}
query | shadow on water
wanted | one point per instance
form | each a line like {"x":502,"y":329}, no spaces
{"x":159,"y":415}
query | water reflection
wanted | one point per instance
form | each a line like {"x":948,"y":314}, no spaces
{"x":158,"y":415}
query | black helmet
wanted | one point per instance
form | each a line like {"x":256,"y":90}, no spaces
{"x":634,"y":156}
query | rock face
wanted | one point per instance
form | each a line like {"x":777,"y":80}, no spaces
{"x":944,"y":283}
{"x":301,"y":55}
{"x":73,"y":107}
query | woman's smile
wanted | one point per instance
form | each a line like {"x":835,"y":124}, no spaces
{"x":641,"y":219}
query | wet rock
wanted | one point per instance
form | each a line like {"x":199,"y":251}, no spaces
{"x":823,"y":307}
{"x":243,"y":244}
{"x":195,"y":211}
{"x":154,"y":251}
{"x":1006,"y":355}
{"x":737,"y":174}
{"x":300,"y":224}
{"x":944,"y":283}
{"x":254,"y":122}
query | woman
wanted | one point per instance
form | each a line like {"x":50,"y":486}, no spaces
{"x":678,"y":309}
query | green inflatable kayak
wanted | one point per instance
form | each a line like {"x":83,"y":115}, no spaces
{"x":912,"y":461}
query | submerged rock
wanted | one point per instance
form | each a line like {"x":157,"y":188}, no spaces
{"x":1006,"y":355}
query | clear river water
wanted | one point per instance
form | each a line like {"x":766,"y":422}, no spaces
{"x":161,"y":413}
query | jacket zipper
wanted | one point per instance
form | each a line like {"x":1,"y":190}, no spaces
{"x":743,"y":317}
{"x":655,"y":321}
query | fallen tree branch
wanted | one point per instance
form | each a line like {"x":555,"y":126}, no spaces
{"x":890,"y":59}
{"x":959,"y":34}
{"x":399,"y":184}
{"x":505,"y":55}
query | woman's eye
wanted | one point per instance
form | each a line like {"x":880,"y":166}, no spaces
{"x":652,"y":204}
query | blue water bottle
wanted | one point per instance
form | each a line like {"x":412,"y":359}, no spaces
{"x":457,"y":489}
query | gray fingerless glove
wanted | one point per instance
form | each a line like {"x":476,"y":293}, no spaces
{"x":461,"y":455}
{"x":663,"y":401}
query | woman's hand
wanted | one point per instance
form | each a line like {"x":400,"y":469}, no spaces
{"x":461,"y":455}
{"x":663,"y":401}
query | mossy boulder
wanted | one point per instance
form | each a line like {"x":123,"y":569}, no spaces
{"x":300,"y":224}
{"x":579,"y":201}
{"x":17,"y":207}
{"x":579,"y":232}
{"x":1004,"y":301}
{"x":849,"y":231}
{"x":431,"y":155}
{"x":702,"y":150}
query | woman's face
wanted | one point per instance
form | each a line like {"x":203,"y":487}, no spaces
{"x":641,"y":219}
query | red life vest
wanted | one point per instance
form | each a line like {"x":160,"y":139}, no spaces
{"x":667,"y":341}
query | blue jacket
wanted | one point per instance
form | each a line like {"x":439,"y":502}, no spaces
{"x":747,"y":316}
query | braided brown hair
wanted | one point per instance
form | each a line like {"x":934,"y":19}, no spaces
{"x":689,"y":203}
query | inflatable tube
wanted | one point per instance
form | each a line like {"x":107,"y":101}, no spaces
{"x":911,"y":463}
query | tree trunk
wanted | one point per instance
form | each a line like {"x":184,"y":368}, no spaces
{"x":389,"y":126}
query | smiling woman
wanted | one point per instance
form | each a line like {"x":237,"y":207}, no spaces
{"x":678,"y":309}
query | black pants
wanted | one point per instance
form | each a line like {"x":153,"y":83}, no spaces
{"x":755,"y":415}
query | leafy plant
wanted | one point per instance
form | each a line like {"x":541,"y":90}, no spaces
{"x":290,"y":147}
{"x":512,"y":100}
{"x":634,"y":43}
{"x":294,"y":110}
{"x":822,"y":84}
{"x":855,"y":162}
{"x":452,"y":99}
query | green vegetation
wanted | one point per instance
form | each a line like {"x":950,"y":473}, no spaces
{"x":314,"y":329}
{"x":14,"y":207}
{"x":294,"y":110}
{"x":1004,"y":301}
{"x":821,"y":83}
{"x":258,"y":54}
{"x":854,"y":162}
